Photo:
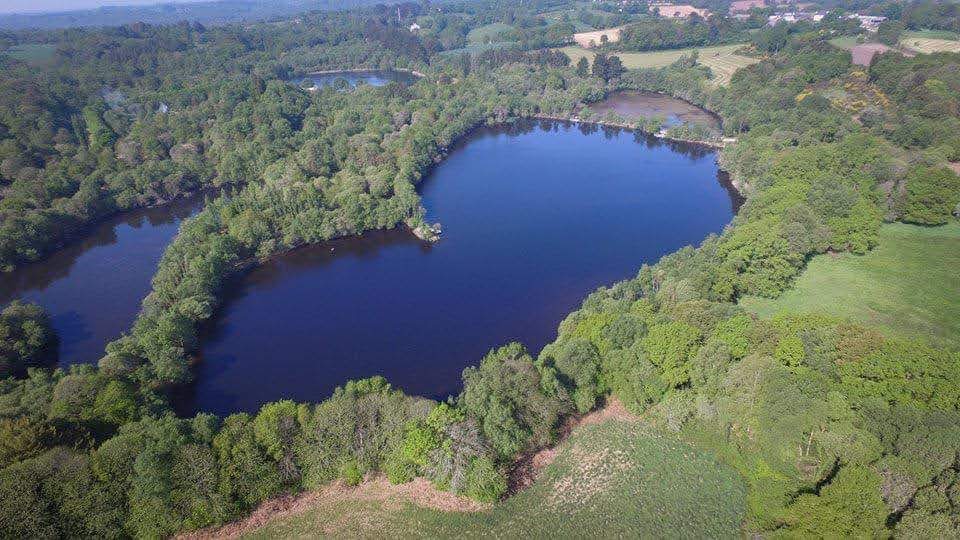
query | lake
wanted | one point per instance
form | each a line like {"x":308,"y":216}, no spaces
{"x":535,"y":216}
{"x":378,"y":77}
{"x":92,"y":288}
{"x":636,"y":105}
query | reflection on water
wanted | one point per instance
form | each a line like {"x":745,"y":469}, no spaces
{"x":92,"y":288}
{"x":535,"y":214}
{"x":635,"y":105}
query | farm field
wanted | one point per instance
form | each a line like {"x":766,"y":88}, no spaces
{"x":721,"y":59}
{"x":936,"y":34}
{"x":926,"y":45}
{"x":33,"y":53}
{"x":617,"y":476}
{"x":906,"y":286}
{"x":488,"y":33}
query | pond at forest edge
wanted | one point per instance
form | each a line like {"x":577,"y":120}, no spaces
{"x":92,"y":288}
{"x":536,"y":215}
{"x":633,"y":105}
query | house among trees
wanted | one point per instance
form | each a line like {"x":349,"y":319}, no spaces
{"x":414,"y":28}
{"x":678,"y":11}
{"x":869,"y":23}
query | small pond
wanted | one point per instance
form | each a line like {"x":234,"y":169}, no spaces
{"x":535,"y":215}
{"x":636,"y":105}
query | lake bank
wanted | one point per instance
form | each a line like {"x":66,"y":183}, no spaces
{"x":530,"y":228}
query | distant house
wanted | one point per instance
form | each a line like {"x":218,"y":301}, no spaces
{"x":869,"y":23}
{"x":741,"y":6}
{"x":414,"y":27}
{"x":796,"y":16}
{"x":678,"y":11}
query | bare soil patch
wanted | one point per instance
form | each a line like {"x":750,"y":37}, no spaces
{"x":595,"y":38}
{"x":955,"y":165}
{"x":377,"y":488}
{"x":863,"y":53}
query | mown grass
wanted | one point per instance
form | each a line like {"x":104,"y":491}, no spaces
{"x":933,"y":34}
{"x":31,"y":53}
{"x":909,"y":285}
{"x":926,"y":45}
{"x":720,"y":59}
{"x":488,"y":33}
{"x":845,"y":42}
{"x":612,"y":479}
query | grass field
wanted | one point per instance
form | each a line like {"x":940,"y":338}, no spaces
{"x":845,"y":42}
{"x":935,"y":34}
{"x":908,"y":285}
{"x":926,"y":45}
{"x":33,"y":53}
{"x":721,"y":59}
{"x":488,"y":33}
{"x":611,"y":479}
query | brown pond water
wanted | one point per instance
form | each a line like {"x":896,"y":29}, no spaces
{"x":635,"y":105}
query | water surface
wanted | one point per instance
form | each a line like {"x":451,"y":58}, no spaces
{"x":636,"y":105}
{"x":379,"y":77}
{"x":535,"y":217}
{"x":92,"y":288}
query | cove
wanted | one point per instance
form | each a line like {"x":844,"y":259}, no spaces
{"x":535,"y":214}
{"x":636,"y":105}
{"x":92,"y":288}
{"x":376,"y":77}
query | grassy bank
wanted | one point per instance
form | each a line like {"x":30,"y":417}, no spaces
{"x":908,"y":285}
{"x":617,"y":477}
{"x":720,"y":59}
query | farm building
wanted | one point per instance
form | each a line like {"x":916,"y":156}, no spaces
{"x":678,"y":11}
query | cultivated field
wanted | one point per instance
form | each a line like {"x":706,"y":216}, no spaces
{"x":488,"y":33}
{"x":930,"y":45}
{"x":616,"y":476}
{"x":721,"y":59}
{"x":595,"y":37}
{"x":907,"y":286}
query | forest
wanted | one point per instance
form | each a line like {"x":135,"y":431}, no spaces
{"x":836,"y":428}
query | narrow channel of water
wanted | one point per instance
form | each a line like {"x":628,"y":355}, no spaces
{"x":92,"y":288}
{"x":536,"y":215}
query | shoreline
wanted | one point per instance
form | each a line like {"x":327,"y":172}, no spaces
{"x":625,"y":125}
{"x":413,"y":72}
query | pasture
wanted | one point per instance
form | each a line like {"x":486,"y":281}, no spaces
{"x":721,"y":59}
{"x":487,"y":34}
{"x":31,"y":53}
{"x":908,"y":285}
{"x":617,"y":476}
{"x":926,"y":45}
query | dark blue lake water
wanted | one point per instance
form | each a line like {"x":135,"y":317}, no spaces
{"x":535,"y":216}
{"x":92,"y":288}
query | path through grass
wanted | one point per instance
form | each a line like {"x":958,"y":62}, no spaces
{"x":612,"y":479}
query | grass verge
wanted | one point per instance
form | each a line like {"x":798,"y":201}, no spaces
{"x":908,"y":285}
{"x":617,"y":478}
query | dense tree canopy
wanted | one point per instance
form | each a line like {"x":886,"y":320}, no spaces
{"x":836,"y":428}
